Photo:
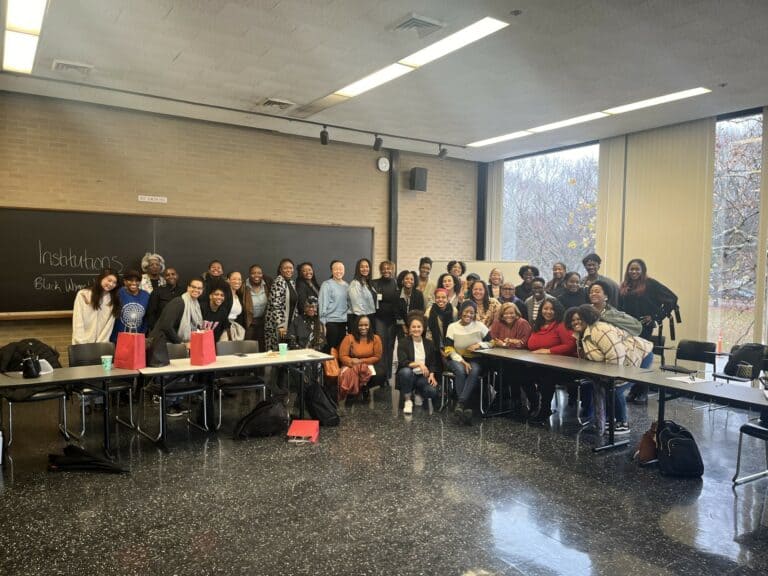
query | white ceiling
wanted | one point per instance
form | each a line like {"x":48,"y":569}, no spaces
{"x":556,"y":60}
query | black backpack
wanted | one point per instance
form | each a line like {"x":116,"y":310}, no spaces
{"x":752,"y":354}
{"x":320,"y":405}
{"x":270,"y":417}
{"x":677,"y":452}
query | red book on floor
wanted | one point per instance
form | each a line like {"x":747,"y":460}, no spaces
{"x":304,"y":431}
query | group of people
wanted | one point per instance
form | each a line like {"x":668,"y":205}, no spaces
{"x":399,"y":321}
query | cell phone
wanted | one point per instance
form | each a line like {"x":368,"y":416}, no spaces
{"x":241,"y":354}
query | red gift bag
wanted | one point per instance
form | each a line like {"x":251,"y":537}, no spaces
{"x":130,"y":351}
{"x":202,"y":349}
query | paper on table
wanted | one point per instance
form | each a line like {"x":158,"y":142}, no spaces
{"x":686,"y":379}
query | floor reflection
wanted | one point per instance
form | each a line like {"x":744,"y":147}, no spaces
{"x":522,"y":545}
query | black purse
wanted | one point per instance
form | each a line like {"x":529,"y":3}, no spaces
{"x":157,"y":352}
{"x":30,"y":366}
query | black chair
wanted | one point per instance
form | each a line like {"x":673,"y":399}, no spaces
{"x":236,"y":382}
{"x":55,"y":393}
{"x":90,"y":355}
{"x":179,"y":386}
{"x":692,"y":351}
{"x":760,"y":432}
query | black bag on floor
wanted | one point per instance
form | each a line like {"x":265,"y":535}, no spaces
{"x":677,"y":452}
{"x":320,"y":405}
{"x":75,"y":459}
{"x":270,"y":417}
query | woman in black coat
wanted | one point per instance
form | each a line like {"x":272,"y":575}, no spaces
{"x":410,"y":298}
{"x":644,"y":298}
{"x":649,"y":301}
{"x":416,"y":363}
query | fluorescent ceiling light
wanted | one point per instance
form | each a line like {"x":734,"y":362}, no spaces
{"x":372,"y":80}
{"x":19,"y":52}
{"x":25,"y":16}
{"x":569,"y":122}
{"x":471,"y":33}
{"x":498,"y":139}
{"x":596,"y":116}
{"x":658,"y":100}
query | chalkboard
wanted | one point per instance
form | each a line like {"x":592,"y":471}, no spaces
{"x":50,"y":255}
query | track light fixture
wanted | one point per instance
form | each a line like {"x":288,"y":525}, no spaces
{"x":377,"y":142}
{"x":441,"y":152}
{"x":324,"y":136}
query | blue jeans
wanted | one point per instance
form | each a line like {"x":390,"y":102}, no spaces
{"x":465,"y":383}
{"x":620,"y":405}
{"x":408,"y":383}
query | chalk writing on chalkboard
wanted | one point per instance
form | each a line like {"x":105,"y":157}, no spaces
{"x":73,"y":259}
{"x":64,"y":283}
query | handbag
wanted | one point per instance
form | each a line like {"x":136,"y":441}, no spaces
{"x":157,"y":351}
{"x":130,"y":351}
{"x":331,"y":367}
{"x":646,"y":448}
{"x":234,"y":333}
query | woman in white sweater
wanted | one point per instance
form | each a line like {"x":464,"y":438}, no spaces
{"x":95,"y":309}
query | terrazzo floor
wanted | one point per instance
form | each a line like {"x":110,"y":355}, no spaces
{"x":383,"y":494}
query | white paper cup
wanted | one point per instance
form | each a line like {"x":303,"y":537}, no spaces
{"x":106,"y":362}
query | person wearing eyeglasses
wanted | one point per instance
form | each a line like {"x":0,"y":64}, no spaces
{"x":181,"y":316}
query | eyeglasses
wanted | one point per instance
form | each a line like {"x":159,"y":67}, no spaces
{"x":198,"y":288}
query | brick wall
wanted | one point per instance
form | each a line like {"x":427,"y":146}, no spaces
{"x":441,"y":222}
{"x":67,"y":155}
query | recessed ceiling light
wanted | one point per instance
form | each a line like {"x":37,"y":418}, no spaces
{"x":449,"y":44}
{"x":19,"y":52}
{"x":372,"y":80}
{"x":658,"y":100}
{"x":25,"y":16}
{"x":463,"y":37}
{"x":497,"y":139}
{"x":568,"y":122}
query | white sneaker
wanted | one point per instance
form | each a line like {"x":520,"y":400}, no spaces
{"x":408,"y":408}
{"x":418,"y":400}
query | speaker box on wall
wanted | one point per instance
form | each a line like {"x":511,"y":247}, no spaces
{"x":419,"y":179}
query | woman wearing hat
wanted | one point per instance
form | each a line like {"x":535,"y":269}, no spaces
{"x":152,"y":266}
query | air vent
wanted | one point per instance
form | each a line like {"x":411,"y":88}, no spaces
{"x":67,"y":66}
{"x":275,"y":104}
{"x":424,"y":26}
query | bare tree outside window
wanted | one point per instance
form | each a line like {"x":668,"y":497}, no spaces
{"x":550,"y":207}
{"x":735,"y":228}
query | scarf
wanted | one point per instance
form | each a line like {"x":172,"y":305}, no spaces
{"x":438,"y":323}
{"x":192,"y":318}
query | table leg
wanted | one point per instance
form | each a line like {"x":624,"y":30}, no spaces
{"x":302,"y":372}
{"x":107,"y":449}
{"x":163,"y":415}
{"x":660,"y":416}
{"x":3,"y":447}
{"x":610,"y":412}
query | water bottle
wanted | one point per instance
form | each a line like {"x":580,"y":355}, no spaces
{"x":2,"y":446}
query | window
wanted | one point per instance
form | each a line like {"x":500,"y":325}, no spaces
{"x":735,"y":226}
{"x":550,"y":207}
